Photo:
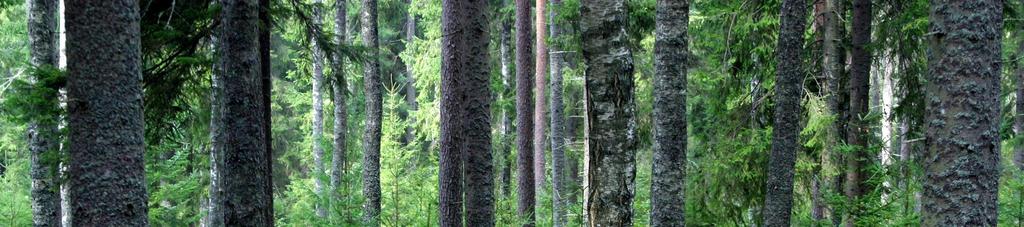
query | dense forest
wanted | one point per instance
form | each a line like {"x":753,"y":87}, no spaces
{"x":511,"y":113}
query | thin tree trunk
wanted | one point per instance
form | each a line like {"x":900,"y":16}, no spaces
{"x":788,"y":93}
{"x":540,"y":80}
{"x":833,"y":65}
{"x":410,"y":77}
{"x":44,"y":138}
{"x":108,"y":185}
{"x":63,"y":168}
{"x":668,"y":189}
{"x":265,"y":105}
{"x":610,"y":164}
{"x":859,"y":131}
{"x":524,"y":113}
{"x":505,"y":50}
{"x":1018,"y":123}
{"x":557,"y":123}
{"x":962,"y":163}
{"x":318,"y":111}
{"x":245,"y":173}
{"x":338,"y":86}
{"x":372,"y":133}
{"x":215,"y":208}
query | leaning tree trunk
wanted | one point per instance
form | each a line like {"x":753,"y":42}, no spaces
{"x":610,"y":164}
{"x":108,"y":185}
{"x":44,"y":138}
{"x":858,"y":134}
{"x":557,"y":123}
{"x":245,"y":173}
{"x":524,"y":114}
{"x":338,"y":86}
{"x":788,"y":93}
{"x":961,"y":165}
{"x":318,"y":110}
{"x":371,"y":135}
{"x":668,"y":178}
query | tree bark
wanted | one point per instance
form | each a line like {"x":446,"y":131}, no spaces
{"x":558,"y":142}
{"x":540,"y":80}
{"x":611,"y":141}
{"x":372,"y":133}
{"x":788,"y":93}
{"x":961,"y":165}
{"x":833,"y":65}
{"x":44,"y":139}
{"x":108,"y":186}
{"x":215,"y":208}
{"x":859,"y":130}
{"x":668,"y":181}
{"x":410,"y":77}
{"x":338,"y":86}
{"x":318,"y":111}
{"x":505,"y":49}
{"x":1018,"y":123}
{"x":246,"y":178}
{"x":265,"y":105}
{"x":524,"y":114}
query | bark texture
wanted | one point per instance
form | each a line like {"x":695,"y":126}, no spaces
{"x":263,"y":40}
{"x":338,"y":86}
{"x":668,"y":178}
{"x":215,"y":208}
{"x":611,"y":141}
{"x":1018,"y":123}
{"x":44,"y":138}
{"x":524,"y":114}
{"x":372,"y":133}
{"x":961,"y":165}
{"x":859,"y":131}
{"x":246,"y":165}
{"x":788,"y":93}
{"x":108,"y":186}
{"x":540,"y":78}
{"x":558,"y":143}
{"x":318,"y":110}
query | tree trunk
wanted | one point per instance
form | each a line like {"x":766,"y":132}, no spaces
{"x":557,"y":123}
{"x":833,"y":65}
{"x":540,"y":80}
{"x":1018,"y":123}
{"x":668,"y":180}
{"x":265,"y":105}
{"x":961,"y":183}
{"x":371,"y":135}
{"x":524,"y":114}
{"x":505,"y":49}
{"x":44,"y":138}
{"x":245,"y":173}
{"x":788,"y":93}
{"x":859,"y":130}
{"x":338,"y":86}
{"x":610,"y":164}
{"x":108,"y":186}
{"x":410,"y":78}
{"x":215,"y":209}
{"x":318,"y":111}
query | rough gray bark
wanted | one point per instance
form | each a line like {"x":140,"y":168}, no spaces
{"x":832,"y":66}
{"x":540,"y":77}
{"x":472,"y":70}
{"x":410,"y":77}
{"x":961,"y":165}
{"x":215,"y":208}
{"x":524,"y":114}
{"x":371,"y":136}
{"x":245,"y":175}
{"x":558,"y":142}
{"x":318,"y":111}
{"x":611,"y":141}
{"x":108,"y":186}
{"x":857,"y":136}
{"x":668,"y":178}
{"x":788,"y":93}
{"x":44,"y":138}
{"x":338,"y":85}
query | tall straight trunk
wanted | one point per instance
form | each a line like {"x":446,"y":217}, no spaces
{"x":961,"y":165}
{"x":540,"y":80}
{"x":1018,"y":123}
{"x":668,"y":178}
{"x":833,"y":65}
{"x":371,"y":135}
{"x":245,"y":173}
{"x":788,"y":93}
{"x":611,"y":141}
{"x":215,"y":208}
{"x":410,"y":77}
{"x":505,"y":49}
{"x":62,"y":167}
{"x":452,"y":141}
{"x":557,"y":123}
{"x":338,"y":86}
{"x":858,"y":134}
{"x":318,"y":111}
{"x":524,"y":114}
{"x":44,"y":138}
{"x":265,"y":92}
{"x":108,"y":185}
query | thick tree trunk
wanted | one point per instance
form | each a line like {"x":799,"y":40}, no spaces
{"x":44,"y":138}
{"x":338,"y":86}
{"x":245,"y":173}
{"x":540,"y":80}
{"x":833,"y":66}
{"x":668,"y":178}
{"x":859,"y":131}
{"x":451,"y":154}
{"x":788,"y":93}
{"x":557,"y":123}
{"x":410,"y":78}
{"x":108,"y":186}
{"x":318,"y":111}
{"x":961,"y":165}
{"x":215,"y":208}
{"x":610,"y":164}
{"x":524,"y":113}
{"x":372,"y":133}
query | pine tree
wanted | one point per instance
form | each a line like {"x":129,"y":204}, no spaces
{"x":318,"y":108}
{"x":338,"y":86}
{"x":524,"y":113}
{"x":44,"y":138}
{"x":371,"y":136}
{"x":860,"y":70}
{"x":668,"y":197}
